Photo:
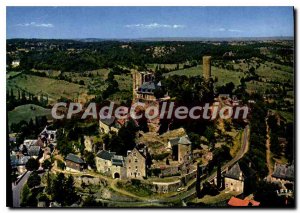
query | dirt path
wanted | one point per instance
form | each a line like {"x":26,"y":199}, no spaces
{"x":268,"y":151}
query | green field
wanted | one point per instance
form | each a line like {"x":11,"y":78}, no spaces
{"x":55,"y":89}
{"x":224,"y":76}
{"x":27,"y":112}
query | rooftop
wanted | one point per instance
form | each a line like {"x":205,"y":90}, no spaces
{"x":105,"y":155}
{"x":180,"y":140}
{"x":284,"y":171}
{"x":239,"y":202}
{"x":74,"y":158}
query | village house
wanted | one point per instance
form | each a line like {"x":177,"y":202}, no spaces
{"x":136,"y":164}
{"x":239,"y":178}
{"x":110,"y":164}
{"x":74,"y":163}
{"x":34,"y":151}
{"x":50,"y":135}
{"x":283,"y":173}
{"x":18,"y":162}
{"x":103,"y":161}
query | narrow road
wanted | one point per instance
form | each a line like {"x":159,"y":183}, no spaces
{"x":240,"y":154}
{"x":16,"y":189}
{"x":268,"y":151}
{"x":183,"y":195}
{"x":187,"y":194}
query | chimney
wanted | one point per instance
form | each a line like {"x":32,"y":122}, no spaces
{"x":206,"y":67}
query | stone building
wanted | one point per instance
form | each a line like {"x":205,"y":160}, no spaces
{"x":143,"y":86}
{"x":239,"y":178}
{"x":110,"y":164}
{"x":136,"y":164}
{"x":74,"y":163}
{"x":283,"y":173}
{"x":181,"y":148}
{"x":103,"y":161}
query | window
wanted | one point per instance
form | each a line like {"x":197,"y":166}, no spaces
{"x":136,"y":167}
{"x":136,"y":160}
{"x":134,"y":154}
{"x":129,"y":161}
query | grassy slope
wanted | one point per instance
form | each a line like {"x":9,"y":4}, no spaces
{"x":54,"y":88}
{"x":24,"y":112}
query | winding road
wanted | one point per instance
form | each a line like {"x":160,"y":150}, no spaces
{"x":16,"y":189}
{"x":187,"y":194}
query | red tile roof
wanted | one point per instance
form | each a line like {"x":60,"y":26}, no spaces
{"x":239,"y":202}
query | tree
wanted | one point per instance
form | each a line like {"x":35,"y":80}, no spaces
{"x":81,"y":82}
{"x":25,"y":195}
{"x":63,"y":190}
{"x":47,"y":164}
{"x":58,"y":188}
{"x":91,"y":202}
{"x":90,"y":159}
{"x":219,"y":177}
{"x":34,"y":180}
{"x":69,"y":191}
{"x":267,"y":196}
{"x":32,"y":164}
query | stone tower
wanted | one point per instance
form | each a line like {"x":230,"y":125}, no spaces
{"x":137,"y":82}
{"x":206,"y":67}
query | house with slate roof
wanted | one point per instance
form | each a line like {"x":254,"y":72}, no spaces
{"x":239,"y":178}
{"x":74,"y":163}
{"x":18,"y":162}
{"x":283,"y":173}
{"x":110,"y":164}
{"x":34,"y":151}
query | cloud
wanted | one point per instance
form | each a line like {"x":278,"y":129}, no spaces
{"x":227,"y":30}
{"x":155,"y":26}
{"x":34,"y":24}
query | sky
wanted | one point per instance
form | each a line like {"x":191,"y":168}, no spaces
{"x":148,"y":22}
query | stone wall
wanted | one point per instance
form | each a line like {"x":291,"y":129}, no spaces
{"x":234,"y":185}
{"x":160,"y":187}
